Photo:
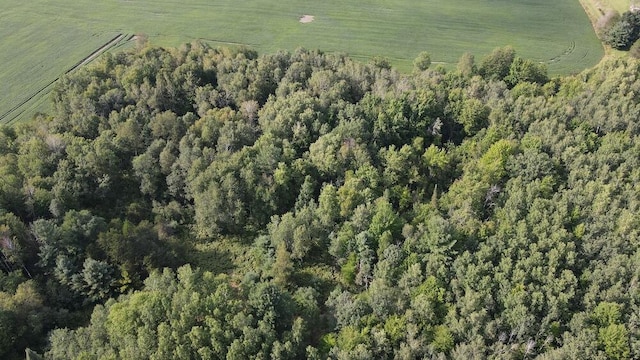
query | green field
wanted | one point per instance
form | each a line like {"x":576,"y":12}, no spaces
{"x":41,"y":40}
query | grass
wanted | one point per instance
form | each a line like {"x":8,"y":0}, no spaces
{"x":620,"y":5}
{"x":41,"y":40}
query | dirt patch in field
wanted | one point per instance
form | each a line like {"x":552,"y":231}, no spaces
{"x":305,"y":19}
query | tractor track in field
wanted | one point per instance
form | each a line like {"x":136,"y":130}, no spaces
{"x":17,"y":110}
{"x":98,"y":52}
{"x":568,"y":51}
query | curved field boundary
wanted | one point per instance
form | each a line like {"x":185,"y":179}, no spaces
{"x":17,"y":110}
{"x":594,"y":9}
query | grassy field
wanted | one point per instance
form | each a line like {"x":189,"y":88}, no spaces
{"x":41,"y":39}
{"x":596,"y":8}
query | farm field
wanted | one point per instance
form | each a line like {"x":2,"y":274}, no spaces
{"x":41,"y":40}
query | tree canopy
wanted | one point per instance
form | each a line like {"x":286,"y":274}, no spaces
{"x":216,"y":203}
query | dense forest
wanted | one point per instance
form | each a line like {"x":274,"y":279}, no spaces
{"x":201,"y":203}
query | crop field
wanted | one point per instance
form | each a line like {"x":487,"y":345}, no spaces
{"x":42,"y":40}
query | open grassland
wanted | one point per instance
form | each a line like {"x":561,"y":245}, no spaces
{"x":619,"y":5}
{"x":41,"y":40}
{"x":596,"y":8}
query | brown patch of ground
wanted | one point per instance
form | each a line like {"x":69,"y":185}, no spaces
{"x":307,"y":19}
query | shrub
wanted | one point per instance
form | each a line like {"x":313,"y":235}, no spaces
{"x":619,"y":36}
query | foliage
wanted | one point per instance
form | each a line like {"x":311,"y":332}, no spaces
{"x":497,"y":64}
{"x":620,"y":35}
{"x":422,"y":62}
{"x":327,"y":209}
{"x":24,"y":319}
{"x":624,"y":32}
